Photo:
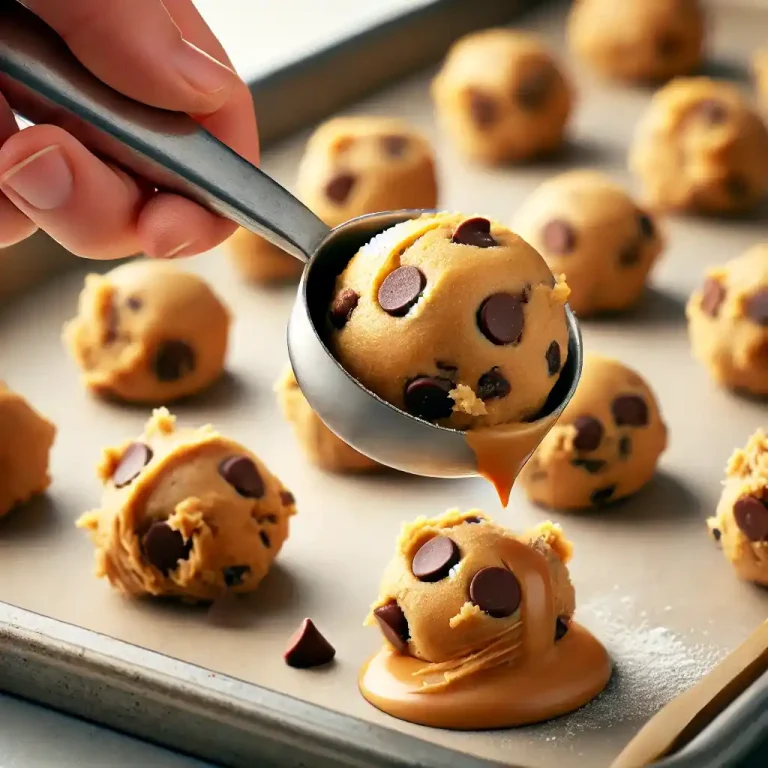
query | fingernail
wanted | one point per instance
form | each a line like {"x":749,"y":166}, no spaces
{"x":43,"y":181}
{"x":176,"y":251}
{"x":201,"y":71}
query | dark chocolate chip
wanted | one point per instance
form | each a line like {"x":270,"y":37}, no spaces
{"x":400,"y":290}
{"x":264,"y":536}
{"x":647,"y":227}
{"x":435,"y":558}
{"x":716,"y":534}
{"x":535,"y":86}
{"x":602,"y":495}
{"x":553,"y":358}
{"x":135,"y":458}
{"x":234,"y":574}
{"x":427,"y":397}
{"x":712,"y":110}
{"x":558,"y":236}
{"x":757,"y":307}
{"x":751,"y":515}
{"x":625,"y":446}
{"x":242,"y":474}
{"x":339,"y":187}
{"x":394,"y":145}
{"x":593,"y":466}
{"x":736,"y":186}
{"x":630,"y":411}
{"x":712,"y":297}
{"x":394,"y":625}
{"x":173,"y":360}
{"x":164,"y":547}
{"x":134,"y":303}
{"x":287,"y":498}
{"x":501,"y":318}
{"x":482,"y":108}
{"x":589,"y":433}
{"x":472,"y":520}
{"x":308,"y":648}
{"x":492,"y":385}
{"x":342,"y":307}
{"x":475,"y":231}
{"x":561,"y":627}
{"x":495,"y":591}
{"x":630,"y":255}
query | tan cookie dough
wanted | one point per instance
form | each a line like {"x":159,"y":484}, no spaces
{"x":606,"y":444}
{"x":638,"y":40}
{"x":501,"y":96}
{"x":740,"y":523}
{"x":321,"y":446}
{"x":701,"y":146}
{"x":760,"y":74}
{"x":357,"y":165}
{"x":728,"y":322}
{"x":588,"y":227}
{"x":186,"y":513}
{"x":259,"y":261}
{"x":147,"y":332}
{"x":455,"y":320}
{"x":26,"y":438}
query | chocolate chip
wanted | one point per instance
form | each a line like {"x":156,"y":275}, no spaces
{"x":264,"y":536}
{"x":472,"y":520}
{"x":393,"y":624}
{"x":475,"y":231}
{"x":271,"y":519}
{"x":558,"y":236}
{"x":736,"y":186}
{"x":342,"y":307}
{"x":630,"y":411}
{"x":647,"y":227}
{"x":630,"y":255}
{"x":561,"y":627}
{"x":716,"y":534}
{"x":602,"y":495}
{"x":435,"y":558}
{"x":492,"y":385}
{"x":287,"y":498}
{"x":593,"y":466}
{"x":164,"y":547}
{"x":482,"y":108}
{"x":173,"y":360}
{"x":751,"y":515}
{"x":134,"y":303}
{"x":757,"y":307}
{"x":308,"y":648}
{"x":135,"y":458}
{"x":625,"y":446}
{"x":339,"y":187}
{"x":501,"y":318}
{"x":553,"y":358}
{"x":496,"y":591}
{"x":400,"y":290}
{"x":589,"y":433}
{"x":242,"y":474}
{"x":427,"y":397}
{"x":446,"y":366}
{"x":535,"y":86}
{"x":394,"y":145}
{"x":712,"y":297}
{"x":711,"y":110}
{"x":234,"y":574}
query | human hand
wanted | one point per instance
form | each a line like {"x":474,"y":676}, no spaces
{"x":157,"y":51}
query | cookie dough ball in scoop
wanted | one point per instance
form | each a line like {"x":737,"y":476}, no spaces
{"x":606,"y":444}
{"x":728,"y":322}
{"x":452,"y":319}
{"x":186,"y":513}
{"x":638,"y":40}
{"x":589,"y":228}
{"x":740,"y":523}
{"x":147,"y":332}
{"x":357,"y":165}
{"x":701,"y":147}
{"x":501,"y":96}
{"x":26,"y":438}
{"x":259,"y":261}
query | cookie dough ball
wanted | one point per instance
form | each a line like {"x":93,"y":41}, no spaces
{"x":186,"y":513}
{"x":604,"y":446}
{"x":588,"y":227}
{"x":740,"y":523}
{"x":728,"y":322}
{"x":455,"y":320}
{"x":357,"y":165}
{"x":501,"y":96}
{"x":148,"y":333}
{"x":321,"y":446}
{"x":760,"y":74}
{"x":701,"y":146}
{"x":638,"y":40}
{"x":26,"y":438}
{"x":259,"y":261}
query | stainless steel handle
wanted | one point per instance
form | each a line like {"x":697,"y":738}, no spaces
{"x":43,"y":81}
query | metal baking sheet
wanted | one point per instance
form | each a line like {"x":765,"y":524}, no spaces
{"x":649,"y":582}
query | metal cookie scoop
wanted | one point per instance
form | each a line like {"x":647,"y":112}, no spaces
{"x":44,"y":83}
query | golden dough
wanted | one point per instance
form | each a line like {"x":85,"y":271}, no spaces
{"x":501,"y":96}
{"x":147,"y":332}
{"x":760,"y":74}
{"x":186,"y":513}
{"x":26,"y":438}
{"x":259,"y":261}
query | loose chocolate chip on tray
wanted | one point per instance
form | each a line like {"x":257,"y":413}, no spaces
{"x":342,"y":307}
{"x":435,"y":558}
{"x":482,"y":108}
{"x":625,"y":446}
{"x":593,"y":466}
{"x":393,"y":624}
{"x":135,"y":458}
{"x":751,"y":515}
{"x":630,"y":411}
{"x":501,"y":318}
{"x":602,"y":495}
{"x":647,"y":227}
{"x":394,"y":145}
{"x":242,"y":474}
{"x":339,"y":187}
{"x":712,"y":297}
{"x":496,"y":591}
{"x":400,"y":290}
{"x":173,"y":360}
{"x":561,"y":627}
{"x":475,"y":231}
{"x":553,"y":358}
{"x":589,"y":433}
{"x":287,"y":498}
{"x":757,"y":307}
{"x":234,"y":574}
{"x":427,"y":397}
{"x":308,"y":647}
{"x":711,"y":110}
{"x":535,"y":86}
{"x":164,"y":547}
{"x":492,"y":385}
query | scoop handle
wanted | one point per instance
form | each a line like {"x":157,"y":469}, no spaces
{"x":43,"y":82}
